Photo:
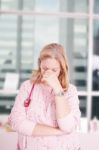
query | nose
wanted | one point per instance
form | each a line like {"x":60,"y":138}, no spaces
{"x":47,"y":71}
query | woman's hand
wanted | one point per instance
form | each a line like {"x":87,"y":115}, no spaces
{"x":52,"y":80}
{"x":7,"y":127}
{"x":44,"y":130}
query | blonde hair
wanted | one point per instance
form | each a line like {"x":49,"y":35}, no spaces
{"x":57,"y":52}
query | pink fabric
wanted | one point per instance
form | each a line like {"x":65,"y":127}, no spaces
{"x":42,"y":110}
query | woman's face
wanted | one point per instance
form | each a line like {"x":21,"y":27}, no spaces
{"x":50,"y":65}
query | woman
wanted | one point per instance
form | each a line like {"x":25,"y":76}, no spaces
{"x":49,"y":118}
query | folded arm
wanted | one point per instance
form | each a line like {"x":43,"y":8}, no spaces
{"x":20,"y":123}
{"x":67,"y":110}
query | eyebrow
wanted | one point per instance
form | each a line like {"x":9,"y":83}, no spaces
{"x":51,"y":68}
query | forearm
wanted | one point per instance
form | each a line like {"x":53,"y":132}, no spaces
{"x":67,"y":110}
{"x":62,"y":106}
{"x":44,"y":130}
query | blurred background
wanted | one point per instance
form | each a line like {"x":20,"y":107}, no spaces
{"x":26,"y":26}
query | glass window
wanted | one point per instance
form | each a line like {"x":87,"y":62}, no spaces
{"x":96,"y":56}
{"x":95,"y":107}
{"x":83,"y":105}
{"x":58,"y":5}
{"x":96,"y":6}
{"x":46,"y":5}
{"x":8,"y":4}
{"x":29,"y":5}
{"x":74,"y":5}
{"x":8,"y":45}
{"x":6,"y":103}
{"x":27,"y":46}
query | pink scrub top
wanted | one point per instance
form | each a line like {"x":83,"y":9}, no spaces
{"x":42,"y":110}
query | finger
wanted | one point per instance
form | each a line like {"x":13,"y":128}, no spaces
{"x":44,"y":79}
{"x":48,"y":73}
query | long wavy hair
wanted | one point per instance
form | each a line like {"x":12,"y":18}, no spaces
{"x":57,"y":52}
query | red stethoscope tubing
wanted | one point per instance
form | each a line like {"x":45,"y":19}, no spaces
{"x":28,"y":100}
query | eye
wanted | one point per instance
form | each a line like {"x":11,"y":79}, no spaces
{"x":45,"y":68}
{"x":54,"y":70}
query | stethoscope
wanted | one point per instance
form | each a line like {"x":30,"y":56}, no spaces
{"x":28,"y":100}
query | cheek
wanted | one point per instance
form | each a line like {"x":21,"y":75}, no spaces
{"x":57,"y":73}
{"x":42,"y":70}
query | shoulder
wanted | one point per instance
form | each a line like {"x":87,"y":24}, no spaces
{"x":72,"y":90}
{"x":26,"y":84}
{"x":72,"y":87}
